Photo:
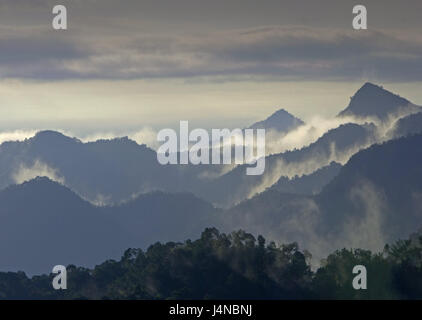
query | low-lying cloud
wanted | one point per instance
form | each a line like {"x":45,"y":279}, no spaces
{"x":305,"y":134}
{"x":145,"y":135}
{"x":37,"y":169}
{"x":16,"y":135}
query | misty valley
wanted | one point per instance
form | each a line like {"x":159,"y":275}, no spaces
{"x":343,"y":194}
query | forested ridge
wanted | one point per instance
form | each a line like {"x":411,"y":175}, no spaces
{"x":232,"y":266}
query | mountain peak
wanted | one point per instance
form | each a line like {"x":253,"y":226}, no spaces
{"x":281,"y":121}
{"x":49,"y":133}
{"x":50,"y":136}
{"x":374,"y":101}
{"x":370,"y":89}
{"x":370,"y":85}
{"x":37,"y":186}
{"x":282,"y":112}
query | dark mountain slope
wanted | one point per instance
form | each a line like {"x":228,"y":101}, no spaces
{"x":281,"y":121}
{"x":336,"y":145}
{"x":393,"y":172}
{"x":308,"y":184}
{"x":373,"y":101}
{"x":43,"y":223}
{"x":159,"y":216}
{"x":375,"y":198}
{"x":113,"y":170}
{"x":411,"y":124}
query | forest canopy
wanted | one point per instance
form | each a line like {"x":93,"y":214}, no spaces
{"x":232,"y":266}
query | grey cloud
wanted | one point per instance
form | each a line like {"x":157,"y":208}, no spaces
{"x":265,"y":52}
{"x":28,"y":50}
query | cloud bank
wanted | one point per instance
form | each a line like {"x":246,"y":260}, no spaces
{"x":266,"y":52}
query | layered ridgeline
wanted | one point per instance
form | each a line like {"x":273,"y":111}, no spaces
{"x":314,"y":195}
{"x":365,"y":121}
{"x":375,"y":198}
{"x":336,"y":145}
{"x":308,"y":184}
{"x":43,"y":223}
{"x":103,"y":171}
{"x":111,"y":171}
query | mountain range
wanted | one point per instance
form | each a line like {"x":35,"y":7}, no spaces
{"x":43,"y":223}
{"x":280,"y":121}
{"x":376,"y":197}
{"x":372,"y":101}
{"x":111,"y":171}
{"x":358,"y":184}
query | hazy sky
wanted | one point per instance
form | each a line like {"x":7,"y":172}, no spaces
{"x":133,"y":63}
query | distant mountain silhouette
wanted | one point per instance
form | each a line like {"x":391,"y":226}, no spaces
{"x":43,"y":223}
{"x":411,"y":124}
{"x":281,"y":121}
{"x":158,"y":216}
{"x":111,"y":171}
{"x":308,"y":184}
{"x":392,"y":172}
{"x":58,"y":227}
{"x":376,"y":197}
{"x":374,"y":101}
{"x":334,"y":145}
{"x":107,"y":170}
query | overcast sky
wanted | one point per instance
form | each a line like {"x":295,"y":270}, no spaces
{"x":134,"y":63}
